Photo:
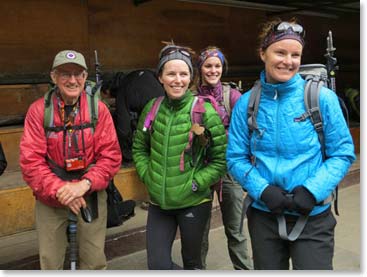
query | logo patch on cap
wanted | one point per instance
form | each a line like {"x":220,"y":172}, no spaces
{"x":70,"y":55}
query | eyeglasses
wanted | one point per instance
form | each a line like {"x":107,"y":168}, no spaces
{"x":286,"y":27}
{"x":170,"y":49}
{"x":64,"y":75}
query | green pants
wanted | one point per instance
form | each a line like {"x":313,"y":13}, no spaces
{"x":231,"y":208}
{"x":51,"y":225}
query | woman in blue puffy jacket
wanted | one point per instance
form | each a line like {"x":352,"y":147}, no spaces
{"x":281,"y":166}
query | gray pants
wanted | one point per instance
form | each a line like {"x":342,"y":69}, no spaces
{"x":231,"y":208}
{"x":312,"y":250}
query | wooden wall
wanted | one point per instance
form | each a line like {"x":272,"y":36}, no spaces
{"x":129,"y":36}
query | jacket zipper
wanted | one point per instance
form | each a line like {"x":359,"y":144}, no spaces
{"x":276,"y":137}
{"x":165,"y":145}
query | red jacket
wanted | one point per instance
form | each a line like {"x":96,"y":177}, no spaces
{"x":101,"y":148}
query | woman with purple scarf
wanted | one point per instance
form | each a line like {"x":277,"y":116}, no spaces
{"x":211,"y":65}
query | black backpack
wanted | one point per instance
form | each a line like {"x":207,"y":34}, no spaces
{"x":3,"y":162}
{"x":118,"y":210}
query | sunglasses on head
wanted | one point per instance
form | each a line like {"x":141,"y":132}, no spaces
{"x":289,"y":27}
{"x":173,"y":49}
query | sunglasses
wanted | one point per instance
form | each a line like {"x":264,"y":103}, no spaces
{"x":289,"y":27}
{"x":173,"y":49}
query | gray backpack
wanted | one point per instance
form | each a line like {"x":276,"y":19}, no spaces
{"x":316,"y":77}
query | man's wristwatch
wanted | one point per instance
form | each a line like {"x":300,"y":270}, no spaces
{"x":89,"y":183}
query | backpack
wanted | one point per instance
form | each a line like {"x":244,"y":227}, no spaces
{"x":3,"y":162}
{"x":93,"y":95}
{"x":196,"y":113}
{"x":118,"y":210}
{"x":197,"y":110}
{"x":227,"y":95}
{"x":316,"y":77}
{"x":132,"y":92}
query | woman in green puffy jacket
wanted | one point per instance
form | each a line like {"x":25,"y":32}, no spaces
{"x":178,"y":161}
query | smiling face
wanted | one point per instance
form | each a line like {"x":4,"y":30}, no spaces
{"x":282,"y":60}
{"x":70,"y":79}
{"x":211,"y":71}
{"x":175,"y":78}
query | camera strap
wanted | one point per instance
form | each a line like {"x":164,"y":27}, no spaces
{"x":68,"y":115}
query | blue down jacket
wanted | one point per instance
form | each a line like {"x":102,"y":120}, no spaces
{"x":288,"y":153}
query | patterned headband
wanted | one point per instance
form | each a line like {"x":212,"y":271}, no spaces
{"x":210,"y":53}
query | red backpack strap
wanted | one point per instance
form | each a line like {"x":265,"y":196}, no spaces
{"x":152,"y":114}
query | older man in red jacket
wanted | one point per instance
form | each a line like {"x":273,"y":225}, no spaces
{"x":69,"y":164}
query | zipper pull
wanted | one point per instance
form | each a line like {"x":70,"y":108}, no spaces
{"x":69,"y":139}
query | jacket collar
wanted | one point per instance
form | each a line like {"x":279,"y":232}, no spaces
{"x":215,"y":91}
{"x":179,"y":103}
{"x":281,"y":88}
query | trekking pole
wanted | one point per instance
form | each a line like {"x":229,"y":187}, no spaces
{"x":73,"y":248}
{"x":98,"y":71}
{"x":331,"y":61}
{"x":331,"y":68}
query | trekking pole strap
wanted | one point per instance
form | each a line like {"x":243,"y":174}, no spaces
{"x":296,"y":231}
{"x":282,"y":225}
{"x":247,"y":201}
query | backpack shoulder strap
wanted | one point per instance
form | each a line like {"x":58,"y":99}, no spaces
{"x":92,"y":99}
{"x":197,"y":110}
{"x":226,"y":98}
{"x":196,"y":115}
{"x":49,"y":109}
{"x":152,"y":113}
{"x":92,"y":92}
{"x":253,"y":106}
{"x":312,"y":104}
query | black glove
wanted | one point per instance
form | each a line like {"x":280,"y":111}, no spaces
{"x":303,"y":200}
{"x":275,"y":199}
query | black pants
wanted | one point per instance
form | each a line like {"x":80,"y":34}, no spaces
{"x":313,"y":250}
{"x":161,"y":232}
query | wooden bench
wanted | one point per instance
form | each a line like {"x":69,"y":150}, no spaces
{"x":17,"y":201}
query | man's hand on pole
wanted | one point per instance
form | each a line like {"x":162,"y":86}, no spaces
{"x":71,"y":191}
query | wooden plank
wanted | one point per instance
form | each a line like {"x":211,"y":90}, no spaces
{"x":16,"y":210}
{"x":32,"y":32}
{"x":130,"y":186}
{"x":10,"y":139}
{"x":16,"y":99}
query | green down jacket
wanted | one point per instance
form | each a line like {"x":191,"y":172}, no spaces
{"x":157,"y":153}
